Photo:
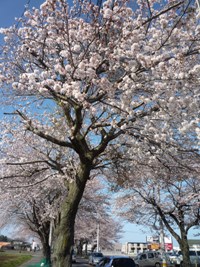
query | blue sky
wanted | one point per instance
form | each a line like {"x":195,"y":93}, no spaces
{"x":9,"y":10}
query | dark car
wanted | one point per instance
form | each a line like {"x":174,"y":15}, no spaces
{"x":116,"y":261}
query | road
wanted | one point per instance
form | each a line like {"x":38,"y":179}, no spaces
{"x":80,"y":262}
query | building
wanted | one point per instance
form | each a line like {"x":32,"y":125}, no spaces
{"x":4,"y":244}
{"x":133,"y":248}
{"x":194,"y":244}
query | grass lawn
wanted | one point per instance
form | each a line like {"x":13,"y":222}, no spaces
{"x":12,"y":259}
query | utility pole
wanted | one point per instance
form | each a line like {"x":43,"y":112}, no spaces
{"x":98,"y":228}
{"x":50,"y":232}
{"x":98,"y":235}
{"x":162,"y":238}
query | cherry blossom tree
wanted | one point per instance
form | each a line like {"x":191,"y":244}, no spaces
{"x":30,"y":207}
{"x":29,"y":212}
{"x":27,"y":221}
{"x":95,"y":212}
{"x":31,"y":183}
{"x":88,"y":79}
{"x":31,"y":201}
{"x":167,"y":194}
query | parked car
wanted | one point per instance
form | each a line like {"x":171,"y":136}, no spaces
{"x":116,"y":261}
{"x":174,"y":257}
{"x":152,"y":259}
{"x":95,"y":257}
{"x":194,"y":257}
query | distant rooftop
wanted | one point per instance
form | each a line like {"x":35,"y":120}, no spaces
{"x":194,"y":241}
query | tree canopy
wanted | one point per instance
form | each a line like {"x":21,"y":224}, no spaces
{"x":98,"y":83}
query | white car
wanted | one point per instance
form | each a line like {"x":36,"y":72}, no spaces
{"x":152,"y":259}
{"x":194,"y":257}
{"x":174,"y":257}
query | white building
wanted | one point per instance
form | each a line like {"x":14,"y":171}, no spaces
{"x":133,"y":248}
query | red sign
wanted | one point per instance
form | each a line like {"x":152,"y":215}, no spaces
{"x":168,"y":246}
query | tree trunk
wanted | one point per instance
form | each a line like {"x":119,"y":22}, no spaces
{"x":80,"y":248}
{"x":64,"y":232}
{"x":63,"y":243}
{"x":47,"y":252}
{"x":182,"y":239}
{"x":44,"y":238}
{"x":185,"y":249}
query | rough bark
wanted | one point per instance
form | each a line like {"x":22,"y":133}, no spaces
{"x":182,"y":239}
{"x":44,"y":238}
{"x":64,"y":232}
{"x":185,"y":249}
{"x":46,"y":251}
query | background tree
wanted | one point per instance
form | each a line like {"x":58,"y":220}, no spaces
{"x":28,"y":213}
{"x":161,"y":185}
{"x":95,"y":211}
{"x":94,"y":76}
{"x":3,"y":238}
{"x":32,"y":201}
{"x":174,"y":201}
